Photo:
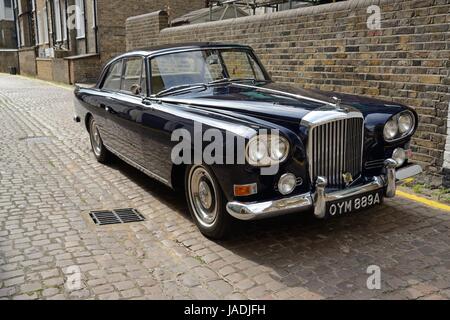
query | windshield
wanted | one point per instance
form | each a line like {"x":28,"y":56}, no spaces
{"x":203,"y":67}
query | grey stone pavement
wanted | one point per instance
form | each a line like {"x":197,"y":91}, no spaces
{"x":49,"y":181}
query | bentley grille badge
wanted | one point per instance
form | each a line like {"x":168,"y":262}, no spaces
{"x":348,"y":178}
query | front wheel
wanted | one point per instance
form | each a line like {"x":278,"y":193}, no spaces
{"x":101,"y":153}
{"x":207,"y":203}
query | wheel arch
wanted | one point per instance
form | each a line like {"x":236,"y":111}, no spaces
{"x":87,"y":119}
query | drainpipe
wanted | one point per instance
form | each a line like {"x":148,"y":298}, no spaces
{"x":95,"y":27}
{"x":16,"y":25}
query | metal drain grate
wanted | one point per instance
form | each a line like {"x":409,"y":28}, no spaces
{"x":117,"y":216}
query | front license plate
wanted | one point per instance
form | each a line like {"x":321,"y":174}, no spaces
{"x":356,"y":203}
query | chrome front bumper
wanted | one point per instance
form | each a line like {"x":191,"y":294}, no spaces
{"x":319,"y":199}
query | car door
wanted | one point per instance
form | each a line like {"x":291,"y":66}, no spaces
{"x":125,"y":109}
{"x":157,"y":127}
{"x":110,"y":87}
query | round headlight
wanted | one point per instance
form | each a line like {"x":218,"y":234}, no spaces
{"x":391,"y":129}
{"x":405,"y":123}
{"x":257,"y":151}
{"x":399,"y":156}
{"x":279,"y":148}
{"x":287,"y":184}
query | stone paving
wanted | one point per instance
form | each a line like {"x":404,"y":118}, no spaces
{"x":49,"y":181}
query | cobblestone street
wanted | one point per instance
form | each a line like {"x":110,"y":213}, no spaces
{"x":49,"y":181}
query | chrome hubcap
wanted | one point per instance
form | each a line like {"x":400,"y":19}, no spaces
{"x":202,"y":196}
{"x":96,"y":140}
{"x":205,"y":195}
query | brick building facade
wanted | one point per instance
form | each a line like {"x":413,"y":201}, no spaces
{"x":70,"y":40}
{"x":8,"y":38}
{"x":330,"y":47}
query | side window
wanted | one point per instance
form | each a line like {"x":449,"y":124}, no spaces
{"x":132,"y":76}
{"x":113,"y":78}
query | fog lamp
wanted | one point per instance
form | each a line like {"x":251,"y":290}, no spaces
{"x":287,"y":184}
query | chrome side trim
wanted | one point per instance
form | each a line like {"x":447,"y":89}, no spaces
{"x":138,"y":166}
{"x":408,"y":172}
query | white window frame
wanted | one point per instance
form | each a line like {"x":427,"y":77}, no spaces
{"x":21,"y":33}
{"x":36,"y":22}
{"x":57,"y":12}
{"x":94,"y":14}
{"x":80,"y":19}
{"x":45,"y":23}
{"x":39,"y":34}
{"x":19,"y":6}
{"x":64,"y":18}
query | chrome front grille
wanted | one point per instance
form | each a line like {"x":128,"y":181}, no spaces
{"x":335,"y":149}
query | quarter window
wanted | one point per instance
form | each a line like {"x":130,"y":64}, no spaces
{"x":132,"y":76}
{"x":114,"y":76}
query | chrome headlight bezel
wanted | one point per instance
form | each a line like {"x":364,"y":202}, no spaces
{"x":263,"y":144}
{"x":401,"y":133}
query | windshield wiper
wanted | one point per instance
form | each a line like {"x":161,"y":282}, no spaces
{"x":230,"y":80}
{"x":181,"y":88}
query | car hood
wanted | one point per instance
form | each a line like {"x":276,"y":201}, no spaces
{"x":281,"y":104}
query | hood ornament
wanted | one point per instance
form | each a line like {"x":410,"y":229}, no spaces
{"x":337,"y":101}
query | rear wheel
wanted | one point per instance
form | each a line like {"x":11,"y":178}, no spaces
{"x":100,"y":152}
{"x":207,"y":203}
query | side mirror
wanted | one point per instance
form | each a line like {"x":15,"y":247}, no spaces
{"x":136,"y":89}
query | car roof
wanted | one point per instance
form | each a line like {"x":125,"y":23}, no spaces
{"x":167,"y":48}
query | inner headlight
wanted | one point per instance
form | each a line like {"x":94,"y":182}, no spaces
{"x":266,"y":150}
{"x":405,"y":123}
{"x":399,"y":126}
{"x":279,"y":148}
{"x":391,"y":129}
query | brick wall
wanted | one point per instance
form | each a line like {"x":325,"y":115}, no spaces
{"x":27,"y":60}
{"x":143,"y":31}
{"x":112,"y":17}
{"x":8,"y":58}
{"x":85,"y":69}
{"x":44,"y":69}
{"x":331,"y":48}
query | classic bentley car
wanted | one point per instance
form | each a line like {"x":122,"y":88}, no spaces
{"x":336,"y":153}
